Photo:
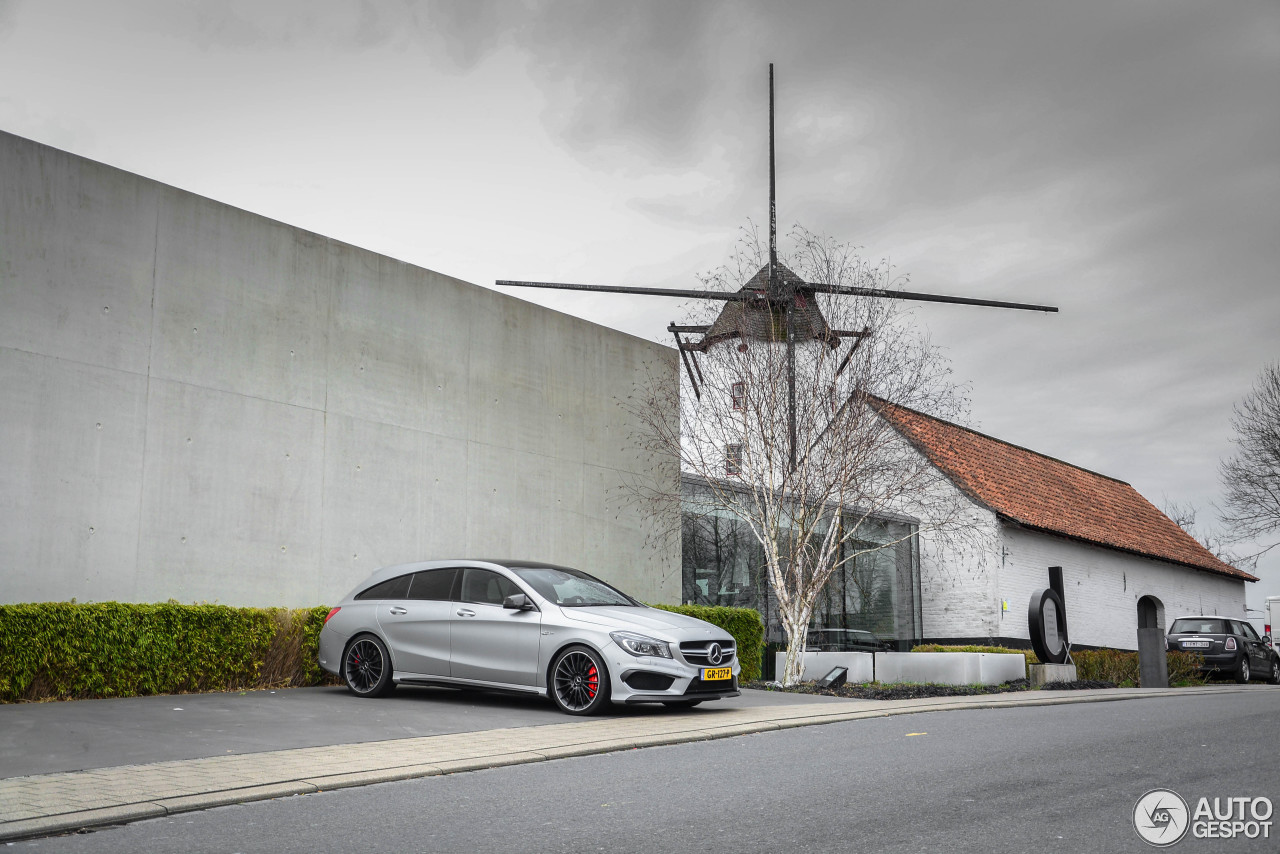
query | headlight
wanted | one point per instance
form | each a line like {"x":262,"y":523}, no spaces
{"x":641,"y":645}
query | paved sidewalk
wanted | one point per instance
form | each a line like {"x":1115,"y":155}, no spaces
{"x":48,"y":803}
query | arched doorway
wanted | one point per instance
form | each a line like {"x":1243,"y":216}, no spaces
{"x":1150,"y":613}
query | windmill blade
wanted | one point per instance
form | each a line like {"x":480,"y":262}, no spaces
{"x":909,"y":295}
{"x":627,"y":289}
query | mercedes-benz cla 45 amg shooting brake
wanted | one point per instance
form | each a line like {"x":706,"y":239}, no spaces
{"x":523,"y":627}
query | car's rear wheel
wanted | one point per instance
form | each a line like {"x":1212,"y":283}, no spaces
{"x":366,"y":667}
{"x":579,"y":681}
{"x":1242,"y":674}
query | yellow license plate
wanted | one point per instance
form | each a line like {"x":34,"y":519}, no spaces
{"x":713,"y":674}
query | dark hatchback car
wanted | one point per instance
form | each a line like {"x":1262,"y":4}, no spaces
{"x":1228,"y":646}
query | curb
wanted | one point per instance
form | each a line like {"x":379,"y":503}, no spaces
{"x":787,"y":717}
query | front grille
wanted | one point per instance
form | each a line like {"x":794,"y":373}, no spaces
{"x":644,"y":681}
{"x":697,"y":686}
{"x":697,"y":652}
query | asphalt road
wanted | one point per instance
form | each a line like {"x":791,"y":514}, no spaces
{"x":43,"y":738}
{"x":1053,"y":778}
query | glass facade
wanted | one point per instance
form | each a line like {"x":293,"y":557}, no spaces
{"x":872,"y":601}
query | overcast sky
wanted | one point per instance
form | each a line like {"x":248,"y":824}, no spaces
{"x":1120,"y":160}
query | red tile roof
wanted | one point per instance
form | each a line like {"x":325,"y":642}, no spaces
{"x":1049,"y":495}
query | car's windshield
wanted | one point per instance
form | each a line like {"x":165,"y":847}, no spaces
{"x":1187,"y":625}
{"x":570,"y":588}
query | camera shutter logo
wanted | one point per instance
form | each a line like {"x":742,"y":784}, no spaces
{"x":1161,"y":817}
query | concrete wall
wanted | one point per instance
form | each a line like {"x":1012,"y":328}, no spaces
{"x":204,"y":404}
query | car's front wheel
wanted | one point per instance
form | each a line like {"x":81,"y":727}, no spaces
{"x":579,"y":681}
{"x":366,"y":667}
{"x":1275,"y":671}
{"x":1242,"y":674}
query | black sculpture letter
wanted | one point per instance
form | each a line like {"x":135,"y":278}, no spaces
{"x":1047,"y":620}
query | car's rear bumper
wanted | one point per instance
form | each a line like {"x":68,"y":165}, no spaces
{"x":1220,"y":662}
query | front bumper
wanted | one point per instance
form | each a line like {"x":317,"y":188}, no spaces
{"x":641,"y":679}
{"x":696,"y":690}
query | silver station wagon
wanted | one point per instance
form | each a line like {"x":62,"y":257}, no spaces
{"x":526,"y":627}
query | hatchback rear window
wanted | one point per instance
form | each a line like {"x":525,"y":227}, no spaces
{"x":1199,"y":626}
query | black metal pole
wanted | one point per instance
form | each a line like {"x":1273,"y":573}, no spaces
{"x":773,"y":200}
{"x":787,"y":292}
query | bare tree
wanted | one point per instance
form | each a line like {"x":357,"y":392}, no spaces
{"x":1251,"y":477}
{"x":1186,"y":516}
{"x":851,"y":468}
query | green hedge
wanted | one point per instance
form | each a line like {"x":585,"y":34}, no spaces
{"x":743,"y":623}
{"x":68,"y":651}
{"x":1112,"y":665}
{"x":64,"y":651}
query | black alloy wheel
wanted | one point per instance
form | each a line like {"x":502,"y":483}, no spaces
{"x":1275,"y":671}
{"x":579,"y":681}
{"x":366,"y":667}
{"x":1242,"y":675}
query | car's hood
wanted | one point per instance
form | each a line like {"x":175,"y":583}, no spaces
{"x":653,"y":620}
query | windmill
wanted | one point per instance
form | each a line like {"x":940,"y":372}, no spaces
{"x":774,"y":303}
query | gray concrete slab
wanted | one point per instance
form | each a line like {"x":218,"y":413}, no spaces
{"x":208,"y":405}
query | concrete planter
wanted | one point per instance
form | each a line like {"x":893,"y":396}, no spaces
{"x":819,"y":664}
{"x":950,"y":668}
{"x":1042,"y":673}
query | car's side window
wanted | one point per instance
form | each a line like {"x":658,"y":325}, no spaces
{"x":433,"y":584}
{"x":1248,"y":632}
{"x":394,"y":588}
{"x":485,"y":587}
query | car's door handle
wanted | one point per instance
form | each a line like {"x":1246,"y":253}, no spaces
{"x":466,"y":612}
{"x":397,"y":610}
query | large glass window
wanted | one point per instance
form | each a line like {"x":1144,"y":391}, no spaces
{"x":873,"y":599}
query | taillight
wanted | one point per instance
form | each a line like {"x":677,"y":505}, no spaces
{"x":1230,"y":645}
{"x":332,"y":611}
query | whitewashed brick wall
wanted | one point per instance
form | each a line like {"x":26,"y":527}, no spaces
{"x":1102,"y":588}
{"x":962,"y":594}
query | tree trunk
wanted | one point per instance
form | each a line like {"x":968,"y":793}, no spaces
{"x":796,"y":626}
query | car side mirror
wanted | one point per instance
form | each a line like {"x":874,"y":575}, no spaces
{"x":1267,"y":640}
{"x":517,"y":602}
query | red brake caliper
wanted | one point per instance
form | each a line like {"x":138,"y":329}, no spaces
{"x":593,"y":681}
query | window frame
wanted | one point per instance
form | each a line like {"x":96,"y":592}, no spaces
{"x":733,"y":459}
